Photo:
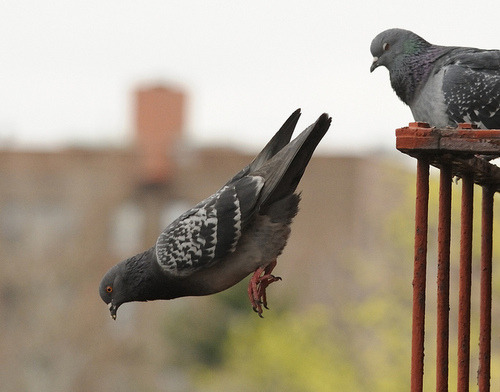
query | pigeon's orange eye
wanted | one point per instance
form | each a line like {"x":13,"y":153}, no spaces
{"x":386,"y":46}
{"x":109,"y":289}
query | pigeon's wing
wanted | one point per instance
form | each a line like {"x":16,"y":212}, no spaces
{"x":471,"y":87}
{"x":210,"y":230}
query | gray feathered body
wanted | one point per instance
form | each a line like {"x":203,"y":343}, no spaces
{"x":442,"y":85}
{"x":216,"y":244}
{"x":263,"y":240}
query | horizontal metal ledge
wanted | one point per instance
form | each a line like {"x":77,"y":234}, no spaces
{"x":462,"y":140}
{"x":461,"y":147}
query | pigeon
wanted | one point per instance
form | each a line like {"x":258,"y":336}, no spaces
{"x":240,"y":229}
{"x":442,"y":85}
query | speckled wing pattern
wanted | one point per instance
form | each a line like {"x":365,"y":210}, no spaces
{"x":471,"y":87}
{"x":210,"y":230}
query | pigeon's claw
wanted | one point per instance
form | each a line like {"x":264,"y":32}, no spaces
{"x":261,"y":278}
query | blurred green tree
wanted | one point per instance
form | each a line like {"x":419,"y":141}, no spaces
{"x":286,"y":352}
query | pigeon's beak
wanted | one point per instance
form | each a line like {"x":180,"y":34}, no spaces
{"x":112,"y":310}
{"x":375,"y":64}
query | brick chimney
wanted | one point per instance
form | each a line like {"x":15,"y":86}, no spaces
{"x":159,"y":123}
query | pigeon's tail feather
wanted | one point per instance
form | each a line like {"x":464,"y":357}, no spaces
{"x":279,"y":140}
{"x":283,"y":172}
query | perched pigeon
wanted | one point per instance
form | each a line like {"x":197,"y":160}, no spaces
{"x":240,"y":229}
{"x":442,"y":85}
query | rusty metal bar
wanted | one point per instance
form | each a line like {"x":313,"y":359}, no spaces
{"x":485,"y":305}
{"x":443,"y":278}
{"x":419,"y":276}
{"x":464,"y":296}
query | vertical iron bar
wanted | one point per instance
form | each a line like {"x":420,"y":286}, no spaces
{"x":419,"y":275}
{"x":485,"y":306}
{"x":443,"y":278}
{"x":464,"y":296}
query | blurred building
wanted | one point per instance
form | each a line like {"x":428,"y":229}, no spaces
{"x":67,"y":216}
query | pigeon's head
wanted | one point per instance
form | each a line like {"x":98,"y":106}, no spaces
{"x":392,"y":44}
{"x":112,"y":289}
{"x":134,"y":279}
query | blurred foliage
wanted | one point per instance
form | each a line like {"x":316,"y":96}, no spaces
{"x":284,"y":352}
{"x":205,"y":328}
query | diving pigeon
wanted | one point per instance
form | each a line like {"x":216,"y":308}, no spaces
{"x":442,"y":85}
{"x":240,"y":229}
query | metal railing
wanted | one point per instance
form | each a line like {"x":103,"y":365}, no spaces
{"x":456,"y":152}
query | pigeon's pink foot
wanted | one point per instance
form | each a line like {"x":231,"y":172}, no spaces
{"x":261,"y":278}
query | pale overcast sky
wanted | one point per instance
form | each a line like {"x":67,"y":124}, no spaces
{"x":67,"y":68}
